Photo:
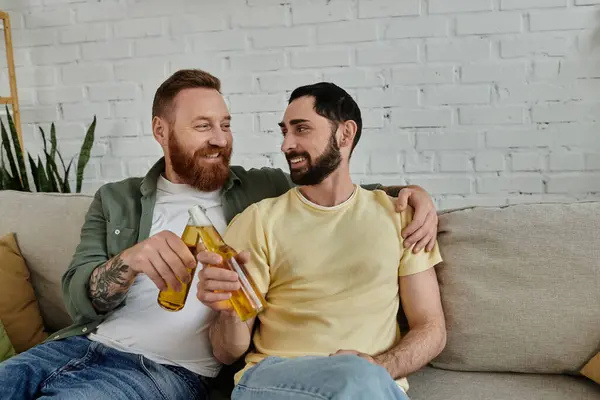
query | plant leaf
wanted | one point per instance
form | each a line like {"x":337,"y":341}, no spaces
{"x":43,"y":138}
{"x":44,"y":185}
{"x":52,"y":173}
{"x":18,"y":152}
{"x":84,"y":154}
{"x":53,"y":141}
{"x":66,"y":186}
{"x":34,"y":174}
{"x":9,"y":154}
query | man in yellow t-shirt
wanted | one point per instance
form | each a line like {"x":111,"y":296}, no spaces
{"x":330,"y":259}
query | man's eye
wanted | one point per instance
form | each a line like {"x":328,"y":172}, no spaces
{"x":227,"y":126}
{"x":301,"y":128}
{"x":203,"y":126}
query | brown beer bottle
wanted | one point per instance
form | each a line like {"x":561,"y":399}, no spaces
{"x":171,"y":299}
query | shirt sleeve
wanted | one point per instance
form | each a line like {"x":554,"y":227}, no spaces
{"x":411,"y":263}
{"x":245,"y":232}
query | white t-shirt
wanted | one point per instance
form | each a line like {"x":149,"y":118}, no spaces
{"x":142,"y":326}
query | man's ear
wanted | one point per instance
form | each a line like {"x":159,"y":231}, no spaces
{"x":160,"y":130}
{"x":349,"y":129}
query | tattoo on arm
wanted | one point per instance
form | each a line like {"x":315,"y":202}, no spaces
{"x":109,"y":284}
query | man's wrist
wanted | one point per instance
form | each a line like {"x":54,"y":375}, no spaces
{"x":385,"y":361}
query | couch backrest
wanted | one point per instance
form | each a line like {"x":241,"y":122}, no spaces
{"x":48,"y":228}
{"x":521,"y":287}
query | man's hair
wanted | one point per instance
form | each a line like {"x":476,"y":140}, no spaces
{"x":162,"y":106}
{"x":332,"y":102}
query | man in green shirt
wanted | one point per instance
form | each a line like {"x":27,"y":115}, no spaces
{"x":122,"y":344}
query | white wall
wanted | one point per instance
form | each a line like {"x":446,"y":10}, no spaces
{"x":479,"y":101}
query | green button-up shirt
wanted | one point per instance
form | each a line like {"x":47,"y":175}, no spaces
{"x":121,"y":216}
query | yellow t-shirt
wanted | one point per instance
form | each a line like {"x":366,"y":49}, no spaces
{"x":329,"y":274}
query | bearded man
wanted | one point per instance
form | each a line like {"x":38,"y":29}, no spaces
{"x":122,"y":345}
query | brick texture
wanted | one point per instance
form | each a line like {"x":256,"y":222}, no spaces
{"x":482,"y":102}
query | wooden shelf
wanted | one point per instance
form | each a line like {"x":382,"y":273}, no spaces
{"x":13,"y":100}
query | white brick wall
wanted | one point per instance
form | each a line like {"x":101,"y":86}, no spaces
{"x":485,"y":102}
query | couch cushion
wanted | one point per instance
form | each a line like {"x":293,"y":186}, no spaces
{"x":47,"y":227}
{"x":520,"y":287}
{"x":19,"y":309}
{"x":437,"y":384}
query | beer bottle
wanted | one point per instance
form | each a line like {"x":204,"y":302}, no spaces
{"x":246,"y":301}
{"x":171,"y":299}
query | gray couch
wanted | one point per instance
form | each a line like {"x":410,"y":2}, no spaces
{"x":520,"y":288}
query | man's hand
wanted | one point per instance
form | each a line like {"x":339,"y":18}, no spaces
{"x":422,"y":231}
{"x":216,"y":284}
{"x":356,"y":353}
{"x":163,"y":257}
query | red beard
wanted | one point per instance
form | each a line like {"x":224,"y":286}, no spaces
{"x":194,"y":170}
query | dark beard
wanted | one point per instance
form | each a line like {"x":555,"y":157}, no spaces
{"x":324,"y":165}
{"x":190,"y":169}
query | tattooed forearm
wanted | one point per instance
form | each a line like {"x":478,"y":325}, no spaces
{"x":109,"y":284}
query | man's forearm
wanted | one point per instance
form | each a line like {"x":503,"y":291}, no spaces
{"x":415,"y":350}
{"x":230,"y":337}
{"x":109,"y":284}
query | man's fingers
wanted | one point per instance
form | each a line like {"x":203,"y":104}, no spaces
{"x":209,"y":258}
{"x":243,"y":257}
{"x":431,"y":244}
{"x":218,"y":274}
{"x":221,"y":285}
{"x":165,"y":272}
{"x":402,"y":200}
{"x":181,"y":250}
{"x":156,"y":278}
{"x":417,"y":222}
{"x":175,"y":263}
{"x":212,"y":297}
{"x":416,"y":237}
{"x":345,"y":352}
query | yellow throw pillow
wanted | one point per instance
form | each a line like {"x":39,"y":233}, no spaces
{"x":6,"y":348}
{"x":592,"y":369}
{"x":19,"y":310}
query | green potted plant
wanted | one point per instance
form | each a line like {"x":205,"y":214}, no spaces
{"x":47,"y":176}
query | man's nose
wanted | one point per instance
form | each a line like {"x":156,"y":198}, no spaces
{"x":288,"y":144}
{"x":218,"y":138}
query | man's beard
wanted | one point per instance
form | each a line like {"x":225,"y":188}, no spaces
{"x":324,"y":165}
{"x":194,"y":170}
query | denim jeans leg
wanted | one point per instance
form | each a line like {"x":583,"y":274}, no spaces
{"x":325,"y":378}
{"x":21,"y":376}
{"x":105,"y":373}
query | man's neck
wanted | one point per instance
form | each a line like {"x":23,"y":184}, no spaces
{"x":170,"y":174}
{"x":334,"y":190}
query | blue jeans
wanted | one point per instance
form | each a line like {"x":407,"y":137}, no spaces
{"x":340,"y":377}
{"x":78,"y":368}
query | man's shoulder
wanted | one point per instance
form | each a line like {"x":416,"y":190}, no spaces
{"x":381,"y":202}
{"x":126,"y":188}
{"x":263,"y":173}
